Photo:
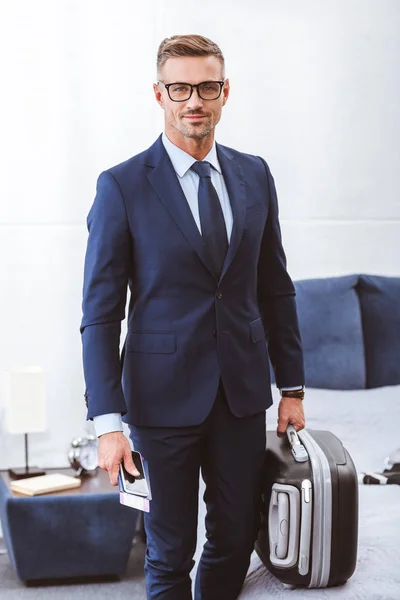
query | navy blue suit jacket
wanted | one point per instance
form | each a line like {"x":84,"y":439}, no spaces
{"x":187,"y":328}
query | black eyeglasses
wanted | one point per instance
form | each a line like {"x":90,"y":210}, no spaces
{"x":181,"y":92}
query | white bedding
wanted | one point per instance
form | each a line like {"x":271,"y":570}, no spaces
{"x":368,"y":423}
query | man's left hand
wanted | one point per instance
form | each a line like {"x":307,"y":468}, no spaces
{"x":290,"y":412}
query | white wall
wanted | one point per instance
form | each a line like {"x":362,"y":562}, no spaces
{"x":315,"y":90}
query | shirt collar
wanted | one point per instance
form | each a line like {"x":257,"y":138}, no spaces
{"x":182,"y":161}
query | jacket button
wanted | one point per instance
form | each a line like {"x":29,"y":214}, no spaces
{"x":215,"y":333}
{"x":219,"y":295}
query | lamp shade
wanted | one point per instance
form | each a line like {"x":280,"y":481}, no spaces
{"x":25,"y":400}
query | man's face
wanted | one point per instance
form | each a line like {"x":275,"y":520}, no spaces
{"x":194,"y":118}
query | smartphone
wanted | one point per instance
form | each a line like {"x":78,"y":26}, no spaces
{"x":132,"y":484}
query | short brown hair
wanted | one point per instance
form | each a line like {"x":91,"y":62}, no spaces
{"x":187,"y":45}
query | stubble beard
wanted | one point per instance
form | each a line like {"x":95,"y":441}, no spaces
{"x":196,"y":131}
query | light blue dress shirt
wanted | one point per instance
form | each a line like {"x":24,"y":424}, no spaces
{"x":189,"y":180}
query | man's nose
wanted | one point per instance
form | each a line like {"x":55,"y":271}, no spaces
{"x":194,"y":101}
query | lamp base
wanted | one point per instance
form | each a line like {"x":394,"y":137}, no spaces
{"x":25,"y":472}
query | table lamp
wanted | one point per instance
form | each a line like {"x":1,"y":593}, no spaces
{"x":25,"y":410}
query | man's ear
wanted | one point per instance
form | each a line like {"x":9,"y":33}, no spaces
{"x":158,"y":95}
{"x":225,"y":92}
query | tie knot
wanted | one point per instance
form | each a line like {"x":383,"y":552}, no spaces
{"x":202,"y":168}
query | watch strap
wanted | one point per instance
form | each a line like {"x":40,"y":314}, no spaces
{"x":299,"y":394}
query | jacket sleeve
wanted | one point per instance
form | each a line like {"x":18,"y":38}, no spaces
{"x":106,"y":274}
{"x":276,"y":298}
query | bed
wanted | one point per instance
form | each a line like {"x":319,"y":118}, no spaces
{"x":368,"y":423}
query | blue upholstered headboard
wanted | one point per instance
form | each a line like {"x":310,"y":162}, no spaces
{"x":350,"y":329}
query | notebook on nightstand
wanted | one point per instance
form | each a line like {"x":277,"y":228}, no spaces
{"x":45,"y":484}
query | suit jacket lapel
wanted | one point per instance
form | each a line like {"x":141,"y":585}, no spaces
{"x":237,"y":191}
{"x":168,"y":189}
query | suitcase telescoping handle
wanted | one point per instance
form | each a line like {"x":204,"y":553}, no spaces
{"x":299,"y":452}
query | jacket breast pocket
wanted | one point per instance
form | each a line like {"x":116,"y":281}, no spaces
{"x":257,"y":330}
{"x":154,"y":342}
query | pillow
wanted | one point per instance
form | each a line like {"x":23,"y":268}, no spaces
{"x":380,"y":311}
{"x":331,"y":331}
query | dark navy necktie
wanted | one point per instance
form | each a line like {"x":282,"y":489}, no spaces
{"x":212,"y":220}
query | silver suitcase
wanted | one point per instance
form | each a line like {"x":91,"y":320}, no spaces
{"x":309,"y":518}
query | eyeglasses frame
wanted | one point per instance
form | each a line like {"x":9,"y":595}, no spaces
{"x":192,"y":86}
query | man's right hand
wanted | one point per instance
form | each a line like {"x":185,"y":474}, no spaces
{"x":113,"y":449}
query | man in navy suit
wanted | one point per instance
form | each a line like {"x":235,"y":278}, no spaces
{"x":191,"y":227}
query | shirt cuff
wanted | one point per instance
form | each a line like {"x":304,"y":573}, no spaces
{"x":107,"y":423}
{"x":288,"y":389}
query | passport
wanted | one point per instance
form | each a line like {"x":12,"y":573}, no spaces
{"x":133,"y":500}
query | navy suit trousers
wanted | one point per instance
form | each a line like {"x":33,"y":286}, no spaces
{"x":229,"y":452}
